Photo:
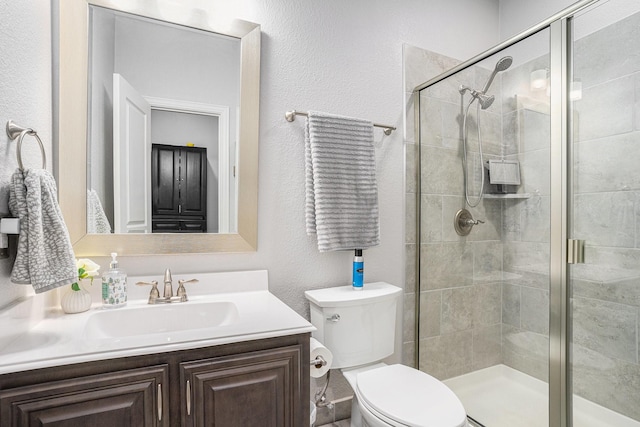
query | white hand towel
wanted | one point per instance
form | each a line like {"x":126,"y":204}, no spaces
{"x":97,"y":221}
{"x":45,"y":257}
{"x":341,"y":188}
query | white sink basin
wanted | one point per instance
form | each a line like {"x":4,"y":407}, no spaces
{"x":160,"y":319}
{"x":224,"y":308}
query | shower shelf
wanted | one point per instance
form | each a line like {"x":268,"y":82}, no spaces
{"x":508,"y":196}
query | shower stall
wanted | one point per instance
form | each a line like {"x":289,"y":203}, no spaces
{"x":525,"y":174}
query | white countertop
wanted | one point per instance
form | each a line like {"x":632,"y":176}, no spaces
{"x":61,"y":339}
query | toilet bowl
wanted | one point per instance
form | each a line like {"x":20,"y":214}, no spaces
{"x":358,"y":327}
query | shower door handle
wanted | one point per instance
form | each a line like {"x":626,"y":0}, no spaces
{"x":575,"y":251}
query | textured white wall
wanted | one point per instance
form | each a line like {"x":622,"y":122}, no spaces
{"x":25,"y":97}
{"x":336,"y":56}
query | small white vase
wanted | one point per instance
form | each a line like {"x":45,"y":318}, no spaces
{"x":76,"y":301}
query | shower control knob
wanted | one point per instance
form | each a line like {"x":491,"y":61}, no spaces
{"x":464,"y":222}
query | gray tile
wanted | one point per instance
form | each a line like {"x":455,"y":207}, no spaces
{"x":605,"y":219}
{"x":457,"y":309}
{"x":447,"y":355}
{"x":511,"y":212}
{"x":487,"y":261}
{"x":489,"y":211}
{"x":608,"y":164}
{"x":410,"y":268}
{"x":487,"y":346}
{"x":408,"y":354}
{"x":441,"y":171}
{"x":526,"y":263}
{"x":431,"y":218}
{"x":606,"y":109}
{"x":535,"y":223}
{"x":625,"y":292}
{"x":612,"y":383}
{"x":510,"y":133}
{"x":451,"y":121}
{"x":411,"y":177}
{"x":410,"y":218}
{"x":608,"y":328}
{"x":446,"y":265}
{"x":597,"y":56}
{"x":624,"y":258}
{"x":410,"y":119}
{"x":421,"y":65}
{"x":511,"y":305}
{"x":430,"y":313}
{"x":409,"y":318}
{"x":431,"y":121}
{"x":487,"y":305}
{"x":535,"y":172}
{"x":534,"y":310}
{"x":526,"y":351}
{"x":535,"y":131}
{"x":516,"y":80}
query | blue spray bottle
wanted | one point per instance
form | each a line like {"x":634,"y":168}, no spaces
{"x":358,"y":270}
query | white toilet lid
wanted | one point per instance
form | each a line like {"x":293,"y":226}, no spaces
{"x":410,"y":397}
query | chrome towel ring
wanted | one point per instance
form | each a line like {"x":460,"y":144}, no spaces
{"x":14,"y":131}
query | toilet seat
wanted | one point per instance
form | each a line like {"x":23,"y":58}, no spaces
{"x":403,"y":396}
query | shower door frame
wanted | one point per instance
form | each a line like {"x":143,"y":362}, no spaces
{"x":560,"y":40}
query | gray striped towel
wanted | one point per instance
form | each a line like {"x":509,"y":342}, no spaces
{"x":45,"y":257}
{"x":341,"y":188}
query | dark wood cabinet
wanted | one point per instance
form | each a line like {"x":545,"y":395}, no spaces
{"x":121,"y":398}
{"x":178,"y":189}
{"x":255,"y":389}
{"x":258,"y":383}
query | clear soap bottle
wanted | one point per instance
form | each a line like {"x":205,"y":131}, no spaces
{"x":114,"y":285}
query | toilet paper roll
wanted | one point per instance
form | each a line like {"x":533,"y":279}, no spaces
{"x":318,"y":351}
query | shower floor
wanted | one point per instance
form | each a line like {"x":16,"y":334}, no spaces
{"x":500,"y":396}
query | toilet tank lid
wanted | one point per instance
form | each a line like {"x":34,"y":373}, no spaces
{"x":342,"y":296}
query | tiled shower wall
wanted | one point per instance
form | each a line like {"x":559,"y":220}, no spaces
{"x":460,"y":281}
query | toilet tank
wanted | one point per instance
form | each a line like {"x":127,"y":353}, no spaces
{"x":357,"y":326}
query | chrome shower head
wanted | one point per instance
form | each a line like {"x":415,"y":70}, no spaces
{"x":485,"y":101}
{"x":501,"y":65}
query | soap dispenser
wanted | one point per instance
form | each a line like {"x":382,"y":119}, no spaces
{"x":114,"y":285}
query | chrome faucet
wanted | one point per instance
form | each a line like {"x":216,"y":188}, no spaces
{"x":168,"y":284}
{"x":154,"y":295}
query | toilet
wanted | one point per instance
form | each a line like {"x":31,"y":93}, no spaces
{"x":358,"y":327}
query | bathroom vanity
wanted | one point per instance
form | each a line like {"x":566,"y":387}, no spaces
{"x":248,"y":365}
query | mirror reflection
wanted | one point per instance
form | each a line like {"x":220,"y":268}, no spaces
{"x":163,"y":123}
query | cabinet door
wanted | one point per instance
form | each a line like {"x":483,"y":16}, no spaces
{"x":131,"y":398}
{"x":165,"y":179}
{"x":260,"y":388}
{"x":193,"y":184}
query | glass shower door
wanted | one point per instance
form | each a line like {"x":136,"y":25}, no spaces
{"x":484,"y":296}
{"x":604,"y":210}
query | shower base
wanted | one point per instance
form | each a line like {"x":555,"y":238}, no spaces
{"x":501,"y":396}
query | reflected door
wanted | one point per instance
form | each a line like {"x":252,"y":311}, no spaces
{"x":132,"y":159}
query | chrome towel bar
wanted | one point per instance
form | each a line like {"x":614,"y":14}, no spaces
{"x":291,"y":116}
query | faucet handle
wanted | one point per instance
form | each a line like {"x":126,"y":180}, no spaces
{"x":154,"y":294}
{"x":182,"y":291}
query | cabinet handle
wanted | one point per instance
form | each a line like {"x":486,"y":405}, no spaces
{"x":159,"y":402}
{"x":188,"y":397}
